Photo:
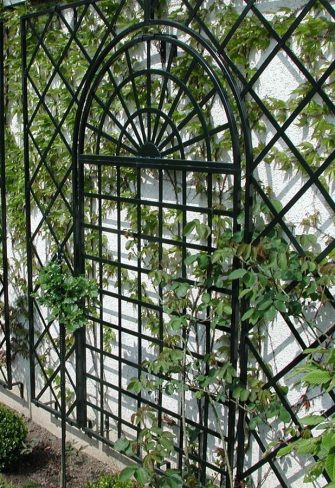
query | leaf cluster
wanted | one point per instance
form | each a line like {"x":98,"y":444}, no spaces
{"x":111,"y":481}
{"x":320,"y":445}
{"x":13,"y":433}
{"x":69,"y":298}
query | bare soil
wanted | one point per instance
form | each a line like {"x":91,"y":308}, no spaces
{"x":41,"y":467}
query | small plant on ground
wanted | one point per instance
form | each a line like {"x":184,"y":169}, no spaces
{"x":31,"y":484}
{"x":5,"y":484}
{"x":112,"y":481}
{"x":13,"y":433}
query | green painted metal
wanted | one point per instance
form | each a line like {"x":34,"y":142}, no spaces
{"x":148,"y":139}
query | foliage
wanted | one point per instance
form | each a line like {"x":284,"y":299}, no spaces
{"x":31,"y":484}
{"x":266,"y":270}
{"x":317,"y":435}
{"x":13,"y":432}
{"x":320,"y":445}
{"x":69,"y":298}
{"x":111,"y":481}
{"x":157,"y":446}
{"x":5,"y":484}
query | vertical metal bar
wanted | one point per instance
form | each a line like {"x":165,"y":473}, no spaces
{"x":28,"y":208}
{"x":139,"y":282}
{"x":182,"y":433}
{"x":160,"y":288}
{"x":119,"y":291}
{"x":79,"y":267}
{"x":3,"y":213}
{"x":240,"y":428}
{"x":62,"y":368}
{"x":80,"y":352}
{"x":234,"y":333}
{"x":148,"y":88}
{"x":101,"y":306}
{"x":208,"y":337}
{"x":62,"y":357}
{"x":243,"y":355}
{"x":147,"y":10}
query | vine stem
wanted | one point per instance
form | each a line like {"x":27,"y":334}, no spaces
{"x":183,"y":401}
{"x":222,"y":437}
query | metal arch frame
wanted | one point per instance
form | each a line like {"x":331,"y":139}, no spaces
{"x":219,"y":59}
{"x":99,"y":67}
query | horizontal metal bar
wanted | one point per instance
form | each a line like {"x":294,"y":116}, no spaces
{"x":159,"y":163}
{"x":121,"y":265}
{"x":161,"y":204}
{"x":150,"y":238}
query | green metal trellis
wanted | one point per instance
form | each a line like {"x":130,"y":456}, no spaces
{"x":147,"y":140}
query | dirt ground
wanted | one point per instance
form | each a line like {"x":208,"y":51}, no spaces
{"x":42,"y":464}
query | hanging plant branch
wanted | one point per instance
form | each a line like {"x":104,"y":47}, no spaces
{"x":69,"y":298}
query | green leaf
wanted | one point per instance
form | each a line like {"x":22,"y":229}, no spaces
{"x":270,"y":314}
{"x":128,"y":472}
{"x":312,"y":420}
{"x":246,"y":291}
{"x":191,"y":259}
{"x":181,"y":290}
{"x":189,"y":227}
{"x":203,"y":231}
{"x":276,"y":204}
{"x":285,"y":450}
{"x":254,"y":422}
{"x":227,"y":309}
{"x":264,"y":305}
{"x":317,"y":377}
{"x":284,"y":415}
{"x":237,"y":274}
{"x":249,"y":279}
{"x":244,"y":395}
{"x":306,"y":446}
{"x":206,"y":298}
{"x":171,"y":479}
{"x":248,"y":314}
{"x":142,"y":475}
{"x":176,"y":323}
{"x":280,"y":305}
{"x":129,"y":245}
{"x":121,"y":445}
{"x":330,"y":466}
{"x":134,"y":385}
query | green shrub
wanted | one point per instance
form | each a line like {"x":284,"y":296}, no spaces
{"x":13,"y":433}
{"x":5,"y":484}
{"x":111,"y":481}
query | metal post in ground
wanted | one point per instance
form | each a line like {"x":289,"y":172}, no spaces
{"x":62,"y":360}
{"x":63,"y":406}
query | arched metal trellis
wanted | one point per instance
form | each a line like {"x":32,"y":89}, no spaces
{"x":166,"y":134}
